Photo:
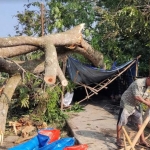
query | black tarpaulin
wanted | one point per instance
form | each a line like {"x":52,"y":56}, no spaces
{"x":82,"y":73}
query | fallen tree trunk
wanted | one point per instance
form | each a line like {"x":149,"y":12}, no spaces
{"x":72,"y":39}
{"x":64,"y":42}
{"x":54,"y":46}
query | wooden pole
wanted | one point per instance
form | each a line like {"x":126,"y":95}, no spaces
{"x":136,"y":73}
{"x":63,"y":88}
{"x":128,"y":138}
{"x":124,"y":139}
{"x":141,"y":129}
{"x":42,"y":19}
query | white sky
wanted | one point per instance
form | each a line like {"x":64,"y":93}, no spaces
{"x":8,"y":9}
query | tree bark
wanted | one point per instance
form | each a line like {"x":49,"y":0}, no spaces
{"x":51,"y":64}
{"x":5,"y":98}
{"x":55,"y":39}
{"x":17,"y":50}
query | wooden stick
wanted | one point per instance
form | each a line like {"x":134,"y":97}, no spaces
{"x":124,"y":139}
{"x":128,"y":138}
{"x":141,"y":129}
{"x":90,"y":88}
{"x":14,"y":127}
{"x":63,"y":88}
{"x":86,"y":91}
{"x":75,"y":78}
{"x":147,"y":137}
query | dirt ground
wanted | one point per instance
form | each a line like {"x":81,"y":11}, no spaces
{"x":96,"y":126}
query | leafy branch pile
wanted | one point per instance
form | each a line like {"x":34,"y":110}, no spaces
{"x":40,"y":101}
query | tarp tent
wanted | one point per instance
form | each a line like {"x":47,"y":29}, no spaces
{"x":82,"y":73}
{"x":86,"y":75}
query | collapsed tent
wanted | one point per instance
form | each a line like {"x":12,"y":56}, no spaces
{"x":86,"y":75}
{"x":82,"y":73}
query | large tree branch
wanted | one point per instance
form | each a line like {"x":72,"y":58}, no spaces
{"x":5,"y":98}
{"x":55,"y":39}
{"x":51,"y":64}
{"x":36,"y":66}
{"x":85,"y":49}
{"x":70,"y":40}
{"x":17,"y":50}
{"x":13,"y":67}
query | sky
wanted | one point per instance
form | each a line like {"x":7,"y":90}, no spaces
{"x":8,"y":9}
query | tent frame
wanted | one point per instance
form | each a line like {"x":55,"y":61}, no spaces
{"x":104,"y":83}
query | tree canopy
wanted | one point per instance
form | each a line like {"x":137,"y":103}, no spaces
{"x":124,"y":29}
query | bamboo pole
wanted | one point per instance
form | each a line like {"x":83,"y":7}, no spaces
{"x":86,"y":91}
{"x":90,"y":88}
{"x":141,"y":129}
{"x":128,"y":138}
{"x":124,"y":139}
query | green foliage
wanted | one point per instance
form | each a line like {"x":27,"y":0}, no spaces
{"x":53,"y":113}
{"x":24,"y":96}
{"x":58,"y":16}
{"x":29,"y":95}
{"x":81,"y":58}
{"x":144,"y":107}
{"x":35,"y":55}
{"x":123,"y":31}
{"x":29,"y":21}
{"x":76,"y":108}
{"x":71,"y":86}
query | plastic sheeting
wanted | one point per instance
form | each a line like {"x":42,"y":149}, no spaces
{"x":77,"y":147}
{"x":44,"y":138}
{"x":81,"y":73}
{"x":32,"y":144}
{"x":53,"y":135}
{"x":59,"y":144}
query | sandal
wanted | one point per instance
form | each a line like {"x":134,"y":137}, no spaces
{"x":120,"y":143}
{"x":145,"y":144}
